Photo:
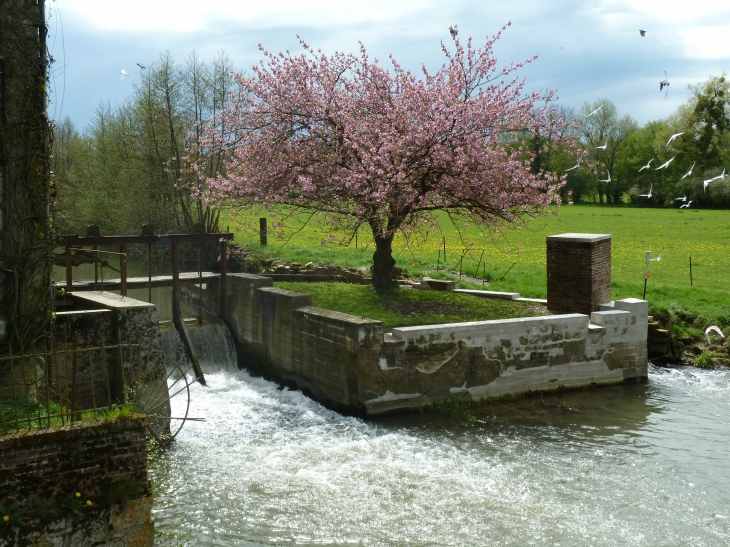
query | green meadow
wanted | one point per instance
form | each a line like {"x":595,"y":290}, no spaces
{"x":514,"y":259}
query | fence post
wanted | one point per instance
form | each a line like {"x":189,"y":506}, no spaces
{"x":690,"y":271}
{"x":262,"y":231}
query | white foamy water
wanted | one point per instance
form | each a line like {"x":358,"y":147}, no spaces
{"x":637,"y":466}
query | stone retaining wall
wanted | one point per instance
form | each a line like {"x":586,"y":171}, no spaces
{"x":41,"y":472}
{"x":350,"y":364}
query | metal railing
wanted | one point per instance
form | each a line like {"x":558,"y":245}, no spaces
{"x":65,"y":382}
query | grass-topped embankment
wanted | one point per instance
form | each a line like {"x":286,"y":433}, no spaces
{"x":410,"y":307}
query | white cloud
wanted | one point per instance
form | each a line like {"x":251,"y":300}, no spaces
{"x":707,"y":42}
{"x":187,"y":15}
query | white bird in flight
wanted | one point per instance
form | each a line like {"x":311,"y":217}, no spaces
{"x":602,"y":147}
{"x":688,"y":173}
{"x":651,"y":187}
{"x":686,"y":205}
{"x":124,"y":73}
{"x":721,"y":176}
{"x":684,"y":198}
{"x":705,"y":184}
{"x":609,"y":177}
{"x":663,"y":165}
{"x":595,"y":111}
{"x":576,"y":166}
{"x":647,"y":165}
{"x":710,"y":329}
{"x":673,"y":137}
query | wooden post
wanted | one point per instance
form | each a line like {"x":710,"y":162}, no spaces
{"x":123,"y":268}
{"x":262,"y":231}
{"x":69,"y":271}
{"x":690,"y":271}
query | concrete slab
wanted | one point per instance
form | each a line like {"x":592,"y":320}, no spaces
{"x":489,"y":294}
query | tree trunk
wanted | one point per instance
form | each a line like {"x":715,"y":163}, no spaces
{"x":383,"y":263}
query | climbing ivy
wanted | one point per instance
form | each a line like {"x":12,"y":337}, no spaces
{"x":26,"y":188}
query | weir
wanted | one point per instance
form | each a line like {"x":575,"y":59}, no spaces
{"x":74,"y":254}
{"x":349,"y":363}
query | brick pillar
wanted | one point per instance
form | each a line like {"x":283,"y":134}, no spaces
{"x":578,"y":272}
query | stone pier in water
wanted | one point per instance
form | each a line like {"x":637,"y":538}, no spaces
{"x":350,"y":364}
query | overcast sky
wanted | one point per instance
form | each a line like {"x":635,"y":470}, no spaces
{"x":588,"y":50}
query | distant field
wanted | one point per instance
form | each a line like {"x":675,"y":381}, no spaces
{"x":702,"y":234}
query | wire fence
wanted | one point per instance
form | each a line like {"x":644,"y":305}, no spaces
{"x":63,"y":382}
{"x":467,"y":261}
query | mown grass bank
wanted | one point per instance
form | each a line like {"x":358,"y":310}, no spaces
{"x":410,"y":307}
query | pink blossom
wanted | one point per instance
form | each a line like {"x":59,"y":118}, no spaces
{"x":377,"y":146}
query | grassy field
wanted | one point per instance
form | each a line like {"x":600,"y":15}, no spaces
{"x":514,"y":260}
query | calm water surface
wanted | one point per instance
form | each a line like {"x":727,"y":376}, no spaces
{"x":643,"y":465}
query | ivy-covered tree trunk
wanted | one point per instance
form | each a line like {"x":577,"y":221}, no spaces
{"x":25,"y":296}
{"x":383,"y":263}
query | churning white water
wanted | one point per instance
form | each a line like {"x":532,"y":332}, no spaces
{"x":644,"y":465}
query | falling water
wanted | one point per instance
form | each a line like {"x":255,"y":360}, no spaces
{"x":643,"y":465}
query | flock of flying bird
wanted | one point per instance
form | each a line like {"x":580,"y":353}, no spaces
{"x":663,"y":86}
{"x":124,"y":73}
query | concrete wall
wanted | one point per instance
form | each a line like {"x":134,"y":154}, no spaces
{"x":41,"y":472}
{"x":350,"y":364}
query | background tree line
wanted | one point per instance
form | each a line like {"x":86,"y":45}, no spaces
{"x":615,"y":144}
{"x":128,"y":168}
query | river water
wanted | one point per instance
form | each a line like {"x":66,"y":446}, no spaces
{"x":642,"y":465}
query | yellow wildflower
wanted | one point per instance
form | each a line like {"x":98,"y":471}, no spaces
{"x":6,"y":518}
{"x":88,"y":502}
{"x":78,"y":494}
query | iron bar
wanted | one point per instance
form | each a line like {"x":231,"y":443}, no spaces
{"x":123,"y":268}
{"x":149,"y":272}
{"x":200,"y":284}
{"x":69,"y":271}
{"x":48,"y":375}
{"x":93,"y":391}
{"x":12,"y":379}
{"x":480,"y":262}
{"x":72,"y":402}
{"x":505,"y":273}
{"x":25,"y":384}
{"x":106,"y":373}
{"x":224,"y":271}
